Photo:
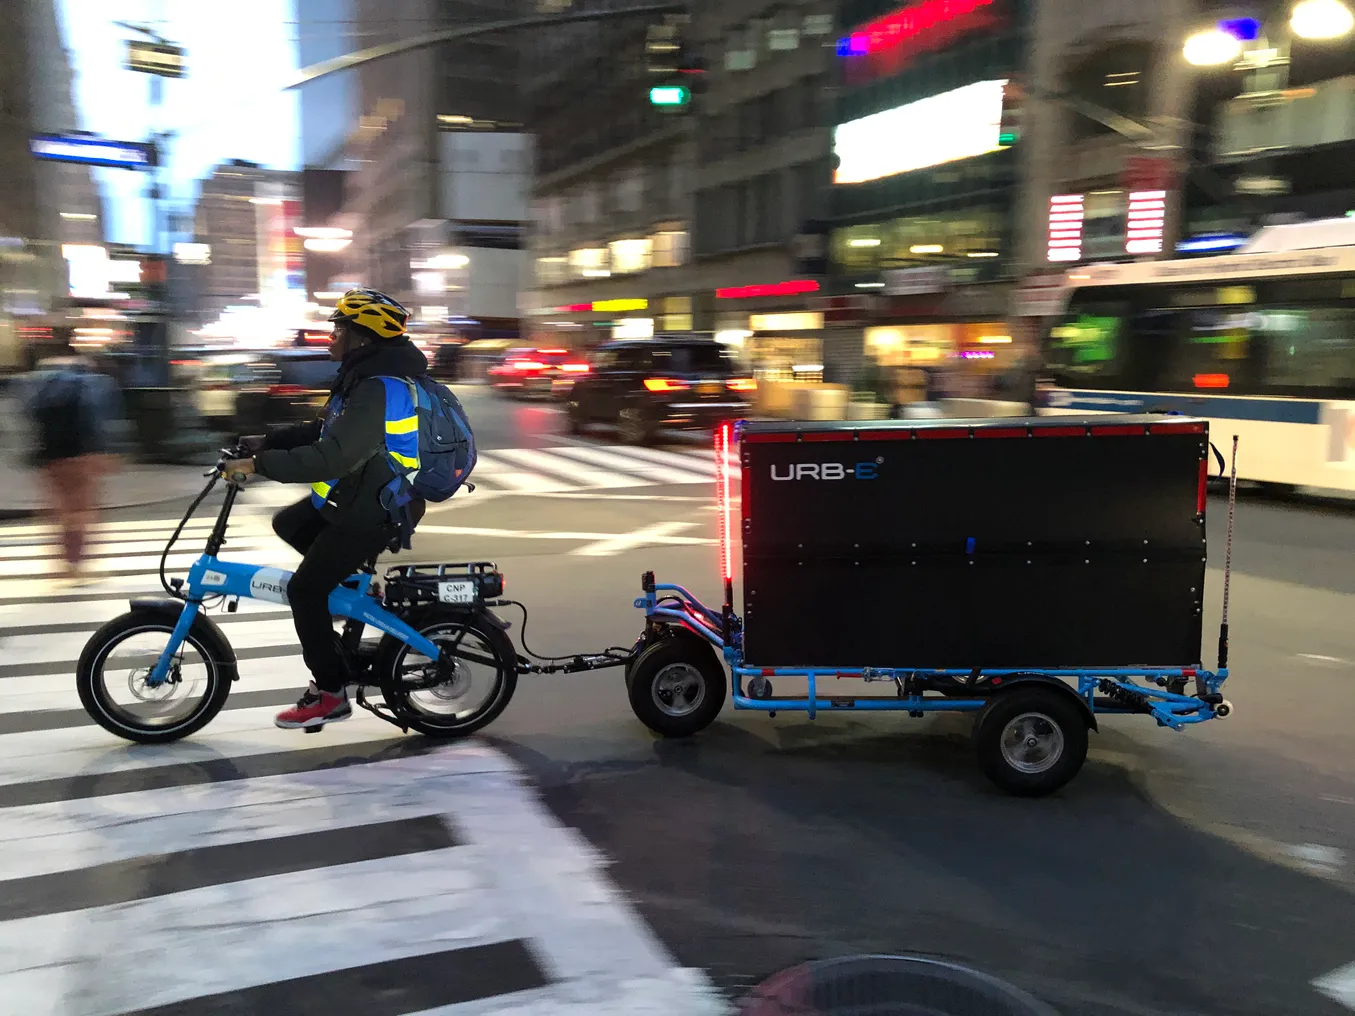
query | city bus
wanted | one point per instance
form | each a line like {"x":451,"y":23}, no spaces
{"x":1260,"y":342}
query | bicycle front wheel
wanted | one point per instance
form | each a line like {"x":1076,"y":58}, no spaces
{"x":112,"y":678}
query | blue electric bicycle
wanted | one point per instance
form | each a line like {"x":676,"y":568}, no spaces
{"x":444,"y":664}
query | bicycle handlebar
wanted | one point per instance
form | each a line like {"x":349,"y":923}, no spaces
{"x":236,"y":451}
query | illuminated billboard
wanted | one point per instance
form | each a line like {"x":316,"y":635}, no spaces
{"x":87,"y":150}
{"x":943,"y":128}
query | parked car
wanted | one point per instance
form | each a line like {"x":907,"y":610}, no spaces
{"x":247,"y":392}
{"x":664,"y":383}
{"x":526,"y":372}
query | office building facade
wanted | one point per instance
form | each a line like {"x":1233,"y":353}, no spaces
{"x":438,"y":165}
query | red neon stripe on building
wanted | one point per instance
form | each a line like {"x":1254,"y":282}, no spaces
{"x":792,"y":288}
{"x":895,"y":29}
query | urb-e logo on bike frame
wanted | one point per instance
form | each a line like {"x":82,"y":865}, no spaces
{"x":826,"y":471}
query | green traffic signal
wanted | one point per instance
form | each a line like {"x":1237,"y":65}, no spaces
{"x":669,"y":95}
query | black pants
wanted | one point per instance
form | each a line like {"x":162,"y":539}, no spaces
{"x":331,"y":552}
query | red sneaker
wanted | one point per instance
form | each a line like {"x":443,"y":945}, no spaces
{"x":315,"y":709}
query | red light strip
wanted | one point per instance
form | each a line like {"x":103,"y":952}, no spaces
{"x":724,"y":501}
{"x":893,"y":30}
{"x":1120,"y":431}
{"x":791,"y":288}
{"x":782,"y":438}
{"x":1202,"y":498}
{"x":1059,"y":431}
{"x":1176,"y":428}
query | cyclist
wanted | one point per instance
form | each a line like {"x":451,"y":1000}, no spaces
{"x":369,"y":429}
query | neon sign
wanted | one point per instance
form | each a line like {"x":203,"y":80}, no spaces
{"x":887,"y":44}
{"x":1067,"y":216}
{"x":792,"y":288}
{"x":959,"y":124}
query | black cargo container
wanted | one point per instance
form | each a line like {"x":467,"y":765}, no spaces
{"x":1046,"y":543}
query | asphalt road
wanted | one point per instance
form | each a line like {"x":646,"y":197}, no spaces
{"x":1204,"y":872}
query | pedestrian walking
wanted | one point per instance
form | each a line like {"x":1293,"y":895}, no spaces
{"x":78,"y":427}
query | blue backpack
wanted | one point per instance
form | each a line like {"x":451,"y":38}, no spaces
{"x":446,"y":454}
{"x":446,"y":443}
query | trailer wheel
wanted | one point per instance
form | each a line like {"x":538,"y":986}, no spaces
{"x":1031,"y":741}
{"x":677,"y":687}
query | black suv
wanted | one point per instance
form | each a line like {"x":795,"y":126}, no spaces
{"x":643,"y":386}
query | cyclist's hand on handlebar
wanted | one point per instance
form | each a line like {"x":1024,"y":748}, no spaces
{"x":237,"y":469}
{"x":252,"y":444}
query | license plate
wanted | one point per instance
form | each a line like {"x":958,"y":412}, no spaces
{"x":456,"y":592}
{"x":709,"y":388}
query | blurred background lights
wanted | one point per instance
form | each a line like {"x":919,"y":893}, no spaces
{"x":1321,"y":19}
{"x":1212,"y":47}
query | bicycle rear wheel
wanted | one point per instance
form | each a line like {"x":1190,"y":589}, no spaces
{"x":470,"y":693}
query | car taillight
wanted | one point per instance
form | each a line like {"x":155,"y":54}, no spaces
{"x":285,"y":390}
{"x":574,"y":368}
{"x":525,"y":365}
{"x":742,"y":384}
{"x":665,"y":384}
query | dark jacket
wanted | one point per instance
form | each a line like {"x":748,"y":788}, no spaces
{"x":354,"y":448}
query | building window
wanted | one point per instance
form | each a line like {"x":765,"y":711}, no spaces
{"x":630,"y":255}
{"x":552,"y":271}
{"x":589,"y":263}
{"x":1116,"y":78}
{"x":630,"y":190}
{"x":964,"y":239}
{"x":671,"y":248}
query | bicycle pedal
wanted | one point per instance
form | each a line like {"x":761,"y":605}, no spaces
{"x":314,"y":729}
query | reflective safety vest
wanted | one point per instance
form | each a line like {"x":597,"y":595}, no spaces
{"x":402,"y":433}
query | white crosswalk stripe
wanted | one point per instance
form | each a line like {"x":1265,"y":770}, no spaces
{"x":254,"y":870}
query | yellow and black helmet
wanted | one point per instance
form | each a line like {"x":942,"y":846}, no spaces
{"x":373,"y":310}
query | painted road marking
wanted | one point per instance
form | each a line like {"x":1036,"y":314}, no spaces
{"x":494,"y":904}
{"x":658,"y":534}
{"x":1339,"y":985}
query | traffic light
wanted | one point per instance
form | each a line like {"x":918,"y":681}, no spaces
{"x":675,"y":73}
{"x":663,"y":48}
{"x":669,"y":95}
{"x":1013,"y":108}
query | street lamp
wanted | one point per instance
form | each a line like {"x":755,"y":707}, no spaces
{"x":1310,"y":19}
{"x":1212,"y":47}
{"x":1321,"y":19}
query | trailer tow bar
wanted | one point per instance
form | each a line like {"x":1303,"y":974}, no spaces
{"x":590,"y":661}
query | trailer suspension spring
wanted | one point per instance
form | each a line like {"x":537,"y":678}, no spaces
{"x":1127,"y":698}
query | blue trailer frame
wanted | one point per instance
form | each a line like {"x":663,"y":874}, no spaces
{"x":666,"y":603}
